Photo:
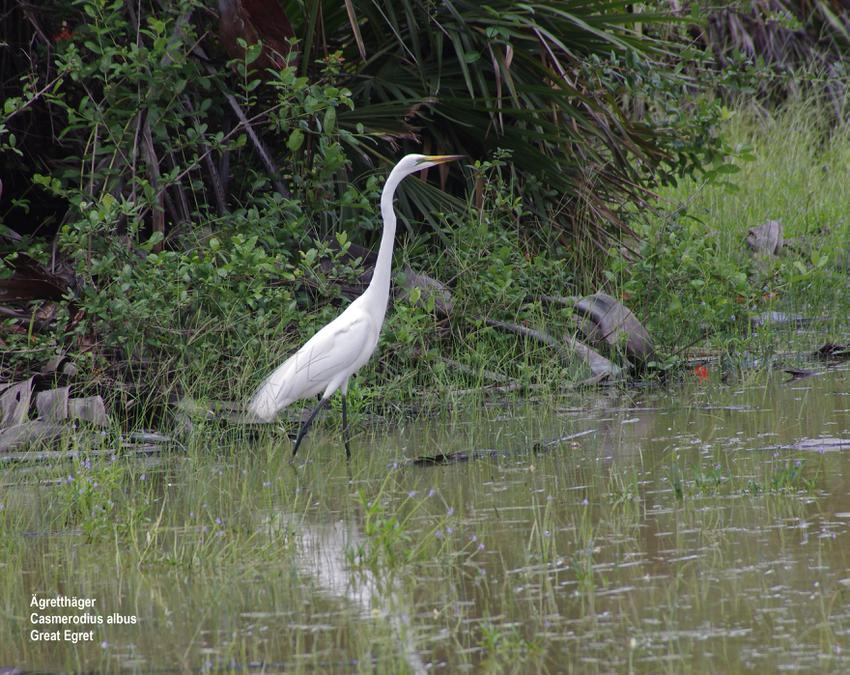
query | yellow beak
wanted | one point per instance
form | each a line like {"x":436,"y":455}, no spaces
{"x":442,"y":159}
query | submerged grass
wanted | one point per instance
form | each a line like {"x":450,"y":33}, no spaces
{"x":639,"y":547}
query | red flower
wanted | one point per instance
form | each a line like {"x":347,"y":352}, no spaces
{"x":701,"y":372}
{"x":63,"y":34}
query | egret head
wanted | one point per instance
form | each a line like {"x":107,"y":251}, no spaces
{"x":413,"y":163}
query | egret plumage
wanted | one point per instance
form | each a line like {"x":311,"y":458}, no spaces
{"x":338,"y":350}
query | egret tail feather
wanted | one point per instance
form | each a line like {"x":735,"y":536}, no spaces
{"x":273,"y":394}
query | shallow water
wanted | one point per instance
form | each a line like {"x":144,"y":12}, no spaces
{"x":700,"y":528}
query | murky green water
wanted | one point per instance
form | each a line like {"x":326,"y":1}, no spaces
{"x":696,"y":529}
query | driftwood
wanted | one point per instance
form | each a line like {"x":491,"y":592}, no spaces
{"x":490,"y":453}
{"x":821,"y":444}
{"x":15,"y":403}
{"x":542,"y":446}
{"x":50,"y":456}
{"x":765,"y":239}
{"x":57,"y":413}
{"x":457,"y":457}
{"x":59,"y":365}
{"x":833,"y":352}
{"x":599,"y":365}
{"x":606,"y":322}
{"x":801,"y":373}
{"x":90,"y":409}
{"x":56,"y":410}
{"x":29,"y":432}
{"x":609,"y":323}
{"x":428,"y":288}
{"x":53,"y":403}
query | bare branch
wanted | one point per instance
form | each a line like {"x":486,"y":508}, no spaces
{"x":158,"y":215}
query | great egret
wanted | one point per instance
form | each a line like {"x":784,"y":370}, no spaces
{"x":326,"y":361}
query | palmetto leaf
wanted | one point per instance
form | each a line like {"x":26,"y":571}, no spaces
{"x":463,"y":76}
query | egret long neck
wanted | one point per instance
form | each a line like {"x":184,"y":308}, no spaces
{"x":380,"y":284}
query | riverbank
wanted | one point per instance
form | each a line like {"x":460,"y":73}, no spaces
{"x":688,"y":276}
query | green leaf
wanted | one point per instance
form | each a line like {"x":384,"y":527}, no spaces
{"x":727,"y":169}
{"x":155,"y":238}
{"x":296,"y":140}
{"x":330,"y":121}
{"x":252,"y":52}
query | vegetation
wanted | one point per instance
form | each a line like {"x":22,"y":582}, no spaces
{"x":195,"y":215}
{"x":183,"y":205}
{"x":171,"y":234}
{"x":697,"y":282}
{"x":227,"y":555}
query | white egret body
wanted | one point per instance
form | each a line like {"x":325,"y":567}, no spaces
{"x":329,"y":358}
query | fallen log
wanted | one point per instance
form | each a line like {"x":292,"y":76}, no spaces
{"x":765,"y":239}
{"x":51,"y":456}
{"x":491,"y":453}
{"x":598,"y":364}
{"x":608,"y":322}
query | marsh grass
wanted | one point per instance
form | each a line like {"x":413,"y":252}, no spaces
{"x":795,"y":171}
{"x":582,"y":559}
{"x":694,"y":286}
{"x":696,"y":282}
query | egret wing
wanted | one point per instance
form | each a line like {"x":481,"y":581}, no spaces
{"x":334,"y":350}
{"x":337,"y":349}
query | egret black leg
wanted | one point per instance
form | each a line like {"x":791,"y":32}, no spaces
{"x":345,"y":437}
{"x":304,"y":427}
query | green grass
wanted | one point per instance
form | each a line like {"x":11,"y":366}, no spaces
{"x":694,"y":284}
{"x":798,"y":174}
{"x":696,"y":281}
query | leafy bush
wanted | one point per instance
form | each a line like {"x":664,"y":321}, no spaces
{"x":161,"y":261}
{"x":191,"y":242}
{"x":683,"y":281}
